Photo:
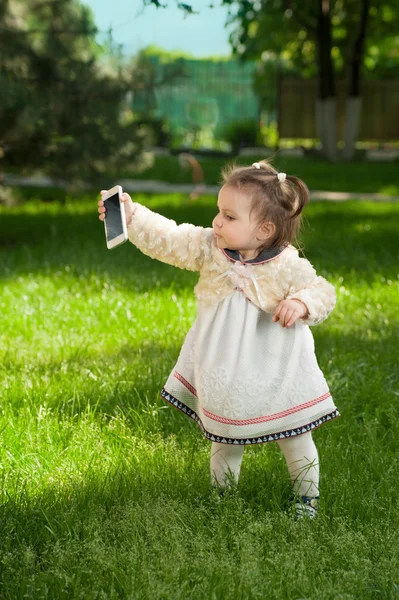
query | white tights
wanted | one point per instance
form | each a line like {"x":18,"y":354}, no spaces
{"x":299,"y":452}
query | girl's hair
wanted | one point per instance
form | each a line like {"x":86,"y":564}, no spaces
{"x":280,"y":202}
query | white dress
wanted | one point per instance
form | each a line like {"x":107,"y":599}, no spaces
{"x":245,"y":379}
{"x":241,"y":377}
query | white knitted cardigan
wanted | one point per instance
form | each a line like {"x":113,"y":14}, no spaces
{"x":265,"y":284}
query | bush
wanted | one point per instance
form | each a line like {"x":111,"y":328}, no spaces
{"x":242,"y":134}
{"x":155,"y":130}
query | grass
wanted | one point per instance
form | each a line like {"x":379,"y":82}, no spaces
{"x":105,"y":490}
{"x":358,"y":176}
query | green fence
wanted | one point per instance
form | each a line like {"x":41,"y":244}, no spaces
{"x":200,"y":96}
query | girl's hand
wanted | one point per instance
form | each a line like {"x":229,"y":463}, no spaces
{"x":129,"y":207}
{"x":288,"y":311}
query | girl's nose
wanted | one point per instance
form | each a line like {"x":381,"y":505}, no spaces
{"x":217,"y":223}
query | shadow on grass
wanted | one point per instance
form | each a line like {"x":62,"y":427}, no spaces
{"x":114,"y":530}
{"x":152,"y":531}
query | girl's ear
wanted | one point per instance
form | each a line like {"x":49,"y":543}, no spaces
{"x":266,"y":231}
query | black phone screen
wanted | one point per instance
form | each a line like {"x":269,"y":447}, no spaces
{"x":113,"y":217}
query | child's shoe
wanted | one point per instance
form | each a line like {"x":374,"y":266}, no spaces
{"x":305,"y":506}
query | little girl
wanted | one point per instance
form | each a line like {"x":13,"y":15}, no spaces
{"x":247,"y":372}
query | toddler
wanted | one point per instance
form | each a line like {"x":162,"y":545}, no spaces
{"x":247,"y":372}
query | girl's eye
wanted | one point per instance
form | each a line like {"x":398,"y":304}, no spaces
{"x":229,"y":218}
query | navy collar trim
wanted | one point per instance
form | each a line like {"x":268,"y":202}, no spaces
{"x":266,"y":255}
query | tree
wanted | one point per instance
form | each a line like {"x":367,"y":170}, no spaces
{"x":323,"y":38}
{"x":62,"y":105}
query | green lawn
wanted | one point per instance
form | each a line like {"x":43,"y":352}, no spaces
{"x":358,"y":176}
{"x":104,"y":489}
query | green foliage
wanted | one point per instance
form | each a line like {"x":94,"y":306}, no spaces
{"x":242,"y":134}
{"x":170,"y":56}
{"x":104,"y":489}
{"x":149,"y":78}
{"x":61,"y":105}
{"x":155,"y":130}
{"x":162,"y":55}
{"x":271,"y":30}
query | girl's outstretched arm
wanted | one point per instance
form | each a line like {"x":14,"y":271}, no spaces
{"x":185,"y":246}
{"x":315,"y":292}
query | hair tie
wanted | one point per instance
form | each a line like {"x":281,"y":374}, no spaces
{"x":256,"y":165}
{"x":281,"y":177}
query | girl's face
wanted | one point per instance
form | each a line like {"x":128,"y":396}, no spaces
{"x":234,"y":227}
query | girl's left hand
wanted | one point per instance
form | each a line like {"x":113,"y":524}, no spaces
{"x":129,"y":207}
{"x":288,"y":311}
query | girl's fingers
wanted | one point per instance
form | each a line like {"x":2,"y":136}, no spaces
{"x":101,"y":208}
{"x":287,"y":314}
{"x":292,"y":318}
{"x":277,"y":313}
{"x":282,"y":316}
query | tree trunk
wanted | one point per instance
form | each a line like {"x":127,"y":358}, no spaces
{"x":326,"y":121}
{"x":353,"y":102}
{"x":353,"y":110}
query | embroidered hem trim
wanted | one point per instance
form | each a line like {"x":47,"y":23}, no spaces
{"x":272,"y":437}
{"x":254,"y":420}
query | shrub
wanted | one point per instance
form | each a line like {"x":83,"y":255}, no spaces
{"x":242,"y":134}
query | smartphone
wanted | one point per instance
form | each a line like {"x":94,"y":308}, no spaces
{"x":115,"y":221}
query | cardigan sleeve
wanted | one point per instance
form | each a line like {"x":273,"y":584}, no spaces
{"x":314,"y":291}
{"x":185,"y":246}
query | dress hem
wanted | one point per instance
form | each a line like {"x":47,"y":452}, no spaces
{"x":270,"y":437}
